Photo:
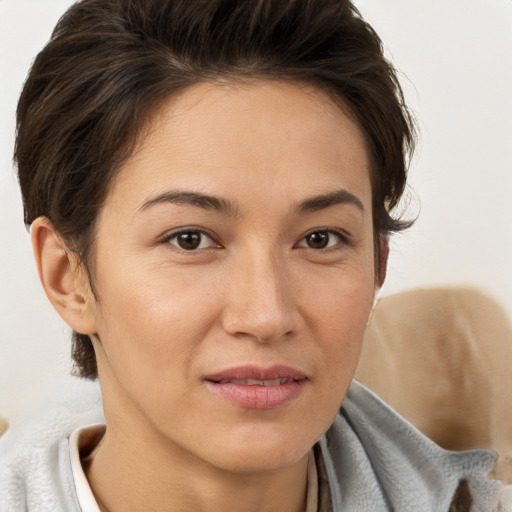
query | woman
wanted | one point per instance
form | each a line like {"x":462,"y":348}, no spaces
{"x":209,"y":187}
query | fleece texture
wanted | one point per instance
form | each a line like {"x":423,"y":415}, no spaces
{"x":374,"y":460}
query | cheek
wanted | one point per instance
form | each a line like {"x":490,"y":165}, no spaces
{"x":337,"y":323}
{"x":339,"y":315}
{"x":151,"y":322}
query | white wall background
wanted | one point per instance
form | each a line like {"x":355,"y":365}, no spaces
{"x":456,"y":57}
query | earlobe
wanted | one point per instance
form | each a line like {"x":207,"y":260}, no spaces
{"x":62,"y":278}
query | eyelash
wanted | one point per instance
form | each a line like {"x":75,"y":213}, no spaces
{"x":190,"y":231}
{"x":343,"y":239}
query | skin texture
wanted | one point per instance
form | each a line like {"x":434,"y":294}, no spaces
{"x":253,"y":292}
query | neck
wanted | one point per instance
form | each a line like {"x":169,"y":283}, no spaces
{"x":157,"y":478}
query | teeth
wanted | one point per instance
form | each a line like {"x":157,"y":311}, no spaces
{"x":252,"y":382}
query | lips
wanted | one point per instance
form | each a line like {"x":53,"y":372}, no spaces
{"x":258,"y":388}
{"x":256,"y":373}
{"x":252,"y":382}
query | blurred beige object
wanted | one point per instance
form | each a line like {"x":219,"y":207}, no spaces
{"x":442,"y":358}
{"x":3,"y":425}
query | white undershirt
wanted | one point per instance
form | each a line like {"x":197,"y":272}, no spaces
{"x":86,"y":498}
{"x":84,"y":493}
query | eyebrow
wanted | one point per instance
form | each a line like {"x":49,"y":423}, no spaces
{"x":193,"y":199}
{"x":221,"y":205}
{"x":322,"y":201}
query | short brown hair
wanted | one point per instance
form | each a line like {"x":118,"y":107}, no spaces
{"x":109,"y":61}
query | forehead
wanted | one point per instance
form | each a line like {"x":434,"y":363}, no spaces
{"x":261,"y":136}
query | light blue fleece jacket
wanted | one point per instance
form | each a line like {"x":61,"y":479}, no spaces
{"x":374,"y":460}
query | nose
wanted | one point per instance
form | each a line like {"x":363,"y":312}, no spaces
{"x":259,"y":303}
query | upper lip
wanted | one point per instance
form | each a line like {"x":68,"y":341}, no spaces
{"x":257,"y":373}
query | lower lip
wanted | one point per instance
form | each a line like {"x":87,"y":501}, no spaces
{"x":258,"y":397}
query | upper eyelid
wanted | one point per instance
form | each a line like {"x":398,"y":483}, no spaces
{"x":345,"y":239}
{"x":339,"y":232}
{"x":188,"y":229}
{"x":166,"y":240}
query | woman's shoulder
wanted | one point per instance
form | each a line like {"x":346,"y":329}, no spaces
{"x":376,"y":460}
{"x":35,"y":472}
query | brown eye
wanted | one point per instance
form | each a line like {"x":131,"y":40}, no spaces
{"x":322,"y":239}
{"x":318,"y":240}
{"x":191,"y":240}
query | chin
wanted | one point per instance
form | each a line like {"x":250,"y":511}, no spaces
{"x":260,"y":460}
{"x":262,"y":449}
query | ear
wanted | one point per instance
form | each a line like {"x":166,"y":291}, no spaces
{"x":381,"y":266}
{"x":64,"y":280}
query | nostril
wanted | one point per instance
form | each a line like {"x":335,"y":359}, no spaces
{"x":272,"y":338}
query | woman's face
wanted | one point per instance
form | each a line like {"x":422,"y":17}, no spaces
{"x":234,"y":272}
